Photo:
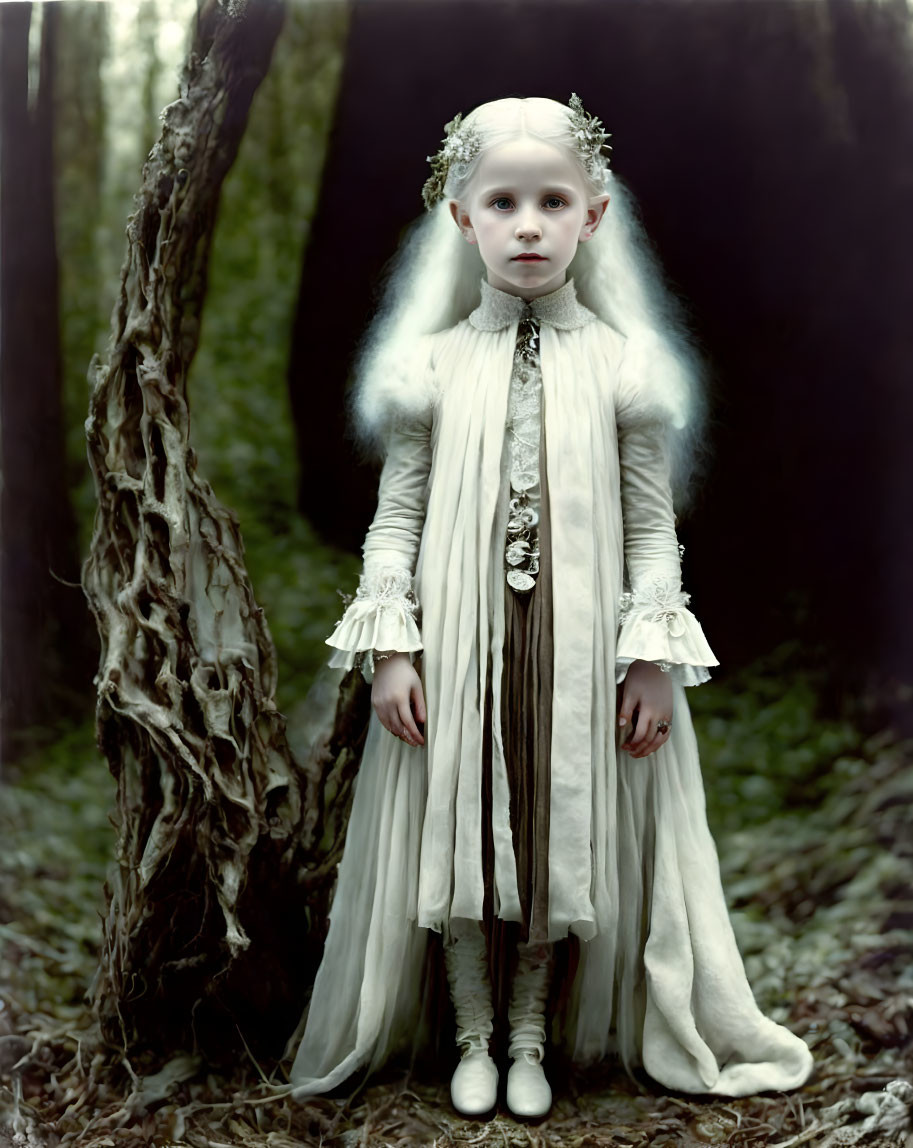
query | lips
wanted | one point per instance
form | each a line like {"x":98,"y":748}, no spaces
{"x":529,"y":257}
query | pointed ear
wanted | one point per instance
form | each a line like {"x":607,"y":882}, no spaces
{"x":594,"y":214}
{"x":462,"y":220}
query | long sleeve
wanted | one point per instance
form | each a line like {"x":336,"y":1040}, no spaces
{"x":655,"y":625}
{"x":382,"y":616}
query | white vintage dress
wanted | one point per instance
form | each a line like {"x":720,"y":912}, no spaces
{"x":632,"y":868}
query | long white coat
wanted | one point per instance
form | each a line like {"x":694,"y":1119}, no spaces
{"x":633,"y":871}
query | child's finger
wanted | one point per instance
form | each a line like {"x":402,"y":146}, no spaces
{"x":386,"y":716}
{"x":641,"y":730}
{"x":387,"y":710}
{"x":626,"y":710}
{"x":408,"y":729}
{"x":646,"y":728}
{"x":651,"y":739}
{"x":659,"y":738}
{"x":418,"y":701}
{"x":651,"y":746}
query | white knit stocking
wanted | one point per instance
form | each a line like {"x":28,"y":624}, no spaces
{"x":466,"y":958}
{"x":527,"y":1001}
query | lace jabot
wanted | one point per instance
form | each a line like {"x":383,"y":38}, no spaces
{"x":524,"y":429}
{"x":559,"y":309}
{"x":499,"y":309}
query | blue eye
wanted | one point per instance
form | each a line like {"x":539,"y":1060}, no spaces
{"x":502,"y":203}
{"x":554,"y":202}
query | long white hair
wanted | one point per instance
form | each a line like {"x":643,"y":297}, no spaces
{"x":433,"y":283}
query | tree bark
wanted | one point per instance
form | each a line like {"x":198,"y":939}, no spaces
{"x":45,"y":672}
{"x":217,"y":910}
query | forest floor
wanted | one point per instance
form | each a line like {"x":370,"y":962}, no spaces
{"x":814,"y":823}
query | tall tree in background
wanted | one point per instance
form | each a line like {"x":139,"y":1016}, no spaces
{"x":45,"y":669}
{"x":219,"y":900}
{"x":87,"y":287}
{"x":147,"y":20}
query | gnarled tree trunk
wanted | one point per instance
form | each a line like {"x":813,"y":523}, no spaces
{"x":217,"y":910}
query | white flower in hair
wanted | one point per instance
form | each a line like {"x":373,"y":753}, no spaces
{"x":460,"y":145}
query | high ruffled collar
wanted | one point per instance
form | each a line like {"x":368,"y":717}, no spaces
{"x":560,"y":309}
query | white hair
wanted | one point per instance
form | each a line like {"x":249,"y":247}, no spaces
{"x":433,"y":283}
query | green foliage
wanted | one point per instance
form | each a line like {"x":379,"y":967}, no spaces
{"x":57,"y":844}
{"x":298,"y":580}
{"x":80,"y":123}
{"x":764,"y":746}
{"x":243,"y":431}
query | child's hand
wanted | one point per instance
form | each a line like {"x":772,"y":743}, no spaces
{"x":396,"y":694}
{"x":648,"y":691}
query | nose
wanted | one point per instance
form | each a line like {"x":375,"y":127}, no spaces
{"x":529,"y":227}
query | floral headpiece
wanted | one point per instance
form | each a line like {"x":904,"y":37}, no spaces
{"x":590,"y":139}
{"x":461,"y":145}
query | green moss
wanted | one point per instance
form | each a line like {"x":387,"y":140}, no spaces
{"x":764,"y":745}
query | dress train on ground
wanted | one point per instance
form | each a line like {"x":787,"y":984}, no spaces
{"x":665,"y":989}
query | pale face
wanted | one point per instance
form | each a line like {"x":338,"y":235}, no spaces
{"x":527,"y":208}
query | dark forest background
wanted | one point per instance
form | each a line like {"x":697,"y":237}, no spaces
{"x":769,"y":146}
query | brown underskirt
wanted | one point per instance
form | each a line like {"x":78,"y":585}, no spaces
{"x":526,"y":707}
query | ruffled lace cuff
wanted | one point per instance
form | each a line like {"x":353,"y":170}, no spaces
{"x":654,"y":626}
{"x":381,"y":616}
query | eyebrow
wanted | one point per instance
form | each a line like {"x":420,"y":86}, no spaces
{"x":546,"y":189}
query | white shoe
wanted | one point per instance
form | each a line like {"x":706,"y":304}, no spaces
{"x":474,"y":1087}
{"x":528,"y":1092}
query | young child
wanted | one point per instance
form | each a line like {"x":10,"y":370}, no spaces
{"x":536,"y":400}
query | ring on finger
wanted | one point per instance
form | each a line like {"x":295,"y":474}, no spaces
{"x":663,"y":726}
